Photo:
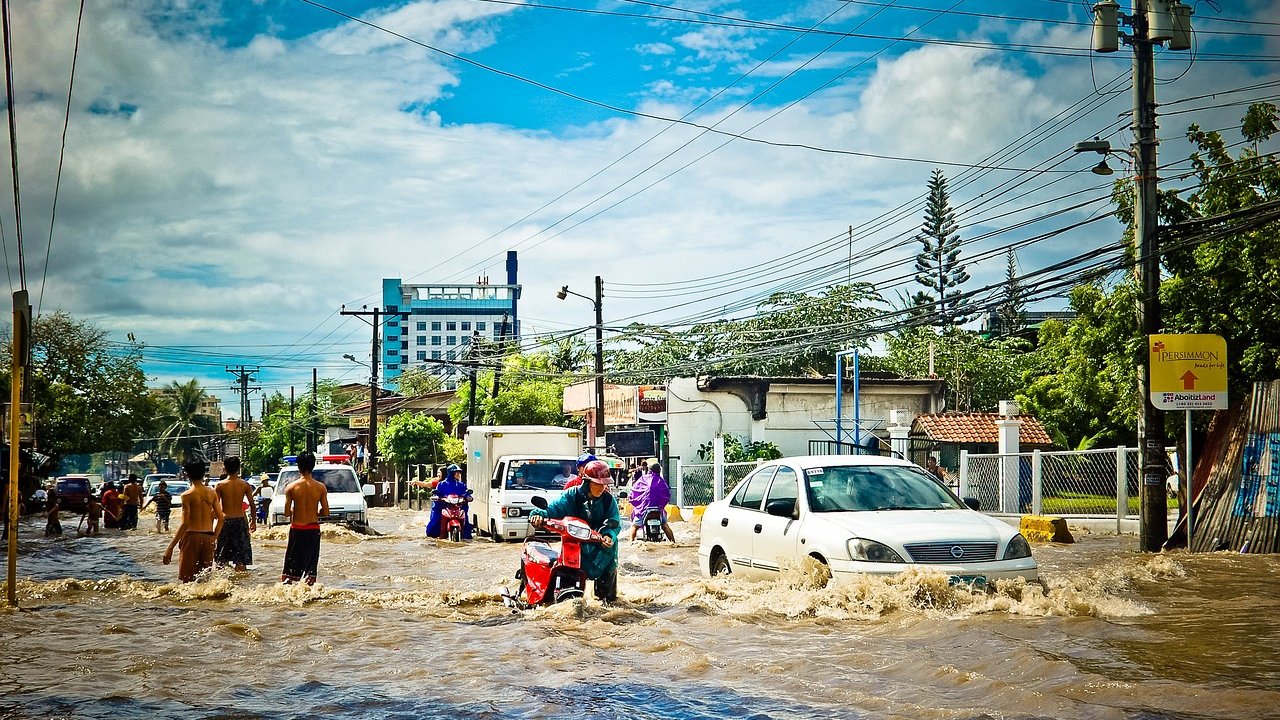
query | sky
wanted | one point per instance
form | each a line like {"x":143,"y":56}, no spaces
{"x":234,"y":174}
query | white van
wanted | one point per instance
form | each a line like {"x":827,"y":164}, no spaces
{"x":347,"y":502}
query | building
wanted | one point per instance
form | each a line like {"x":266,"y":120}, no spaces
{"x":432,"y":325}
{"x":210,"y":406}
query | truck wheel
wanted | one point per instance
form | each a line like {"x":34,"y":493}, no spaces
{"x":493,"y":531}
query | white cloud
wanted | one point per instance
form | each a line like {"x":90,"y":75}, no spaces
{"x":657,"y":48}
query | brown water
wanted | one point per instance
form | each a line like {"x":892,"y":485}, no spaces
{"x":404,"y":627}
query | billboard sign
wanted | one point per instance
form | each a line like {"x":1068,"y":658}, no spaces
{"x":1188,"y":372}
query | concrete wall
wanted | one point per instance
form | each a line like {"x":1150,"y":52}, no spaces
{"x":794,"y":413}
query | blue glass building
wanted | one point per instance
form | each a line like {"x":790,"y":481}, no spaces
{"x":442,"y":321}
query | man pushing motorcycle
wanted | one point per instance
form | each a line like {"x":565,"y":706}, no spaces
{"x":592,"y":502}
{"x":451,"y":485}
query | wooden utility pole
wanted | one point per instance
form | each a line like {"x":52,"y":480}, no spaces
{"x":17,"y":371}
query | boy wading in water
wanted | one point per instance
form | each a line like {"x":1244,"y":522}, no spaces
{"x":305,"y":501}
{"x":201,"y":521}
{"x":233,"y":540}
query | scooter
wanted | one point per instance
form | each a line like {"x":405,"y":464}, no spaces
{"x":453,"y":516}
{"x":651,"y":525}
{"x":547,"y":575}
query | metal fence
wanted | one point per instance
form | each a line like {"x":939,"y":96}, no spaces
{"x":1096,"y":483}
{"x":700,"y":483}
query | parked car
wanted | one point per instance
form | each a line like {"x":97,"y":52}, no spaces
{"x":855,"y":514}
{"x":175,"y":488}
{"x":73,"y":492}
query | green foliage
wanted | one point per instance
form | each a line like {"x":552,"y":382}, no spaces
{"x":1010,"y":310}
{"x":455,"y":450}
{"x":411,"y":439}
{"x":739,"y":450}
{"x":418,"y":380}
{"x":89,"y":394}
{"x":938,"y":266}
{"x":979,"y":372}
{"x":530,"y":393}
{"x":792,"y":334}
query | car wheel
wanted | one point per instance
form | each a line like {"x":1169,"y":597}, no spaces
{"x":720,"y":565}
{"x":818,"y":570}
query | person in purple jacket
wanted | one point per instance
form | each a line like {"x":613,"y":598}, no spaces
{"x":650,"y":490}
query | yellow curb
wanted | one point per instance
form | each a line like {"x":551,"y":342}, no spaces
{"x":695,"y":515}
{"x":673,"y":514}
{"x":1043,"y":528}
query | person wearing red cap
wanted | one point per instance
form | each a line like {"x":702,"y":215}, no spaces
{"x":592,"y":502}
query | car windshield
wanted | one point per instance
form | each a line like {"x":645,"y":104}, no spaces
{"x":73,"y":485}
{"x":173,"y":487}
{"x":336,"y":480}
{"x":538,"y":474}
{"x":845,"y":488}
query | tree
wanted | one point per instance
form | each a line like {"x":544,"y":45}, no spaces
{"x":531,"y":393}
{"x":938,"y":265}
{"x":418,"y":380}
{"x":88,"y":393}
{"x":185,"y":428}
{"x":411,"y":439}
{"x":1010,"y":310}
{"x":979,"y":372}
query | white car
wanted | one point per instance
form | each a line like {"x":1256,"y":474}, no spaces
{"x":855,"y":514}
{"x":347,"y":502}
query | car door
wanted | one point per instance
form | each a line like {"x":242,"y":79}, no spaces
{"x":741,"y":517}
{"x":774,"y":539}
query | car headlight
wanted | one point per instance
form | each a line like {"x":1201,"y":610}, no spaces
{"x":872,"y":551}
{"x":1018,"y":548}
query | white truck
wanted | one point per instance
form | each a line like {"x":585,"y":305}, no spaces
{"x":507,"y":465}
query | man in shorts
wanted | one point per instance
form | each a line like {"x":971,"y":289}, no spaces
{"x":305,"y":501}
{"x":201,"y":521}
{"x":233,"y":541}
{"x":132,"y":494}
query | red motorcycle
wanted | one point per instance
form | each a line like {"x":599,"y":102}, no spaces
{"x":548,"y":575}
{"x":453,"y":517}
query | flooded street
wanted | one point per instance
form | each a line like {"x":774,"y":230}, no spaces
{"x":400,"y":626}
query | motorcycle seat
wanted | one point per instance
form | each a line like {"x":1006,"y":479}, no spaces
{"x":543,"y":553}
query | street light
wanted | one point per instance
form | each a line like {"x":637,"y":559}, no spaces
{"x":596,"y":301}
{"x":371,"y":445}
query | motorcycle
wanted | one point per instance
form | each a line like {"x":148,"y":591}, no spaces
{"x":651,"y":525}
{"x":453,"y":516}
{"x":547,"y":575}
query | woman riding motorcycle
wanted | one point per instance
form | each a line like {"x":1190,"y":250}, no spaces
{"x":451,"y":485}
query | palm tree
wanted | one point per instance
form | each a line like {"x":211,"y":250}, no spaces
{"x":184,"y":423}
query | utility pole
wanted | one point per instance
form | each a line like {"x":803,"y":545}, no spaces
{"x":290,"y":421}
{"x":371,"y":447}
{"x":313,"y":438}
{"x":244,"y":376}
{"x":17,"y":371}
{"x":1153,"y":22}
{"x":497,"y":368}
{"x":599,"y":361}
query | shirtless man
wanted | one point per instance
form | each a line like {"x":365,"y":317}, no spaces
{"x":305,"y":501}
{"x":132,"y":494}
{"x":233,"y":541}
{"x":201,"y":522}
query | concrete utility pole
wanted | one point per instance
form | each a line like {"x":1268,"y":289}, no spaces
{"x":371,"y":447}
{"x":598,"y":302}
{"x":1154,"y":526}
{"x":244,"y":376}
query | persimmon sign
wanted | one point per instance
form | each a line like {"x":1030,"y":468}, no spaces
{"x":1188,"y":372}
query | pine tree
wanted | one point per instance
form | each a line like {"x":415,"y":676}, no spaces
{"x":1010,"y":310}
{"x":938,"y":265}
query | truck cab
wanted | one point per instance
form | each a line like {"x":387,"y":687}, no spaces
{"x":509,"y":465}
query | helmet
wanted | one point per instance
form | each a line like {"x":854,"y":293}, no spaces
{"x":597,"y":472}
{"x":585,"y":458}
{"x":453,"y":469}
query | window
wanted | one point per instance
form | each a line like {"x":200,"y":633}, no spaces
{"x":752,"y":490}
{"x":451,"y":325}
{"x":464,"y":340}
{"x":451,"y":340}
{"x":420,"y":340}
{"x":786,"y":486}
{"x":422,"y":354}
{"x":422,"y":327}
{"x":466,"y":327}
{"x":449,"y":355}
{"x":435,"y":354}
{"x":393,"y":366}
{"x":480,"y":326}
{"x":435,"y":326}
{"x":435,"y":339}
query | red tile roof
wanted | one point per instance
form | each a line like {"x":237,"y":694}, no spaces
{"x":970,"y":428}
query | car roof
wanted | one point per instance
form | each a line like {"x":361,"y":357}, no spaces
{"x":804,"y":462}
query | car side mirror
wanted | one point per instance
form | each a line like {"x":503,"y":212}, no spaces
{"x":367,"y":490}
{"x":539,"y":502}
{"x":781,"y":508}
{"x":973,"y":503}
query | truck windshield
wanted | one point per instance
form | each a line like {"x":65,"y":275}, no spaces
{"x":541,"y":474}
{"x":336,"y":480}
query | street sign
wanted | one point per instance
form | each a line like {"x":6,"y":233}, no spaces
{"x":1188,"y":372}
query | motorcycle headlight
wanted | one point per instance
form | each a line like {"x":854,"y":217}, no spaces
{"x":580,"y":532}
{"x":872,"y":551}
{"x":1018,"y":548}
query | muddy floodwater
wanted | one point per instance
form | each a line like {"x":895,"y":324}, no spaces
{"x":400,"y":626}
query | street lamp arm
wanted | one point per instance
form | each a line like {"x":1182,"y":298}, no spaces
{"x":564,"y":291}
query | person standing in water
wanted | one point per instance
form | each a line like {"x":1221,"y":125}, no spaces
{"x":305,"y":501}
{"x":201,"y":522}
{"x":164,"y":506}
{"x":233,"y":541}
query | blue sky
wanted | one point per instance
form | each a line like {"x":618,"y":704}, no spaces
{"x":235,"y":172}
